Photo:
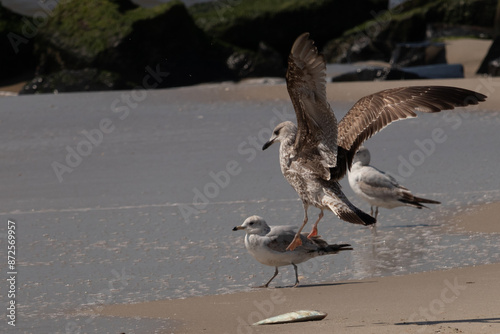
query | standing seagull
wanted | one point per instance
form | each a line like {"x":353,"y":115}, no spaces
{"x":317,"y":152}
{"x":268,"y":245}
{"x":379,"y":188}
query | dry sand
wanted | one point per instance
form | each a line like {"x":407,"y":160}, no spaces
{"x":462,"y":300}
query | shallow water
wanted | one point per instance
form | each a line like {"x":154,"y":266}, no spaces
{"x":114,"y":231}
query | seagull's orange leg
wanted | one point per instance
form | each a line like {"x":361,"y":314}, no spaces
{"x":314,"y":231}
{"x":296,"y":242}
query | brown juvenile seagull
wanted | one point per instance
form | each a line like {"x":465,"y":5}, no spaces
{"x":317,"y":152}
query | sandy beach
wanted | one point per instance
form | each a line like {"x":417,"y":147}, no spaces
{"x":458,"y":300}
{"x":461,"y":300}
{"x":106,"y":248}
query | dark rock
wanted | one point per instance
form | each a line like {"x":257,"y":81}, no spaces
{"x":124,"y":5}
{"x":494,"y":67}
{"x":437,"y":71}
{"x":375,"y":39}
{"x":114,"y":44}
{"x":264,"y":62}
{"x":170,"y":42}
{"x":491,"y":56}
{"x":16,"y":57}
{"x":89,"y":79}
{"x":417,"y":54}
{"x":151,"y":48}
{"x":246,"y":23}
{"x":444,"y":30}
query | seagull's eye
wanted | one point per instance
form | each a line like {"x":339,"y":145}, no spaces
{"x":251,"y":223}
{"x":276,"y":132}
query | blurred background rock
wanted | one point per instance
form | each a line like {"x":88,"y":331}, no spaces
{"x":63,"y":46}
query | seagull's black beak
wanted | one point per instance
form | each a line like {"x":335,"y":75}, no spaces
{"x":269,"y":143}
{"x":236,"y":228}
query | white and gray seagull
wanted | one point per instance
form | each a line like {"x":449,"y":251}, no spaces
{"x":268,"y":245}
{"x":378,"y":188}
{"x":316,"y":153}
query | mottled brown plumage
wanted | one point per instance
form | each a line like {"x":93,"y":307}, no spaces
{"x":317,"y":152}
{"x":374,"y":112}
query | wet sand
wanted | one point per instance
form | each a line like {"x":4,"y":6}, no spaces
{"x":82,"y":236}
{"x":484,"y":219}
{"x":461,"y":300}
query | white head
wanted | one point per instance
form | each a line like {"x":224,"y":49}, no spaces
{"x":362,"y":156}
{"x":254,"y":225}
{"x":282,"y":132}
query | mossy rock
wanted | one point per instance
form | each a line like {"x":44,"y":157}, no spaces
{"x":129,"y":40}
{"x":375,"y":39}
{"x":246,"y":23}
{"x":79,"y":31}
{"x":265,"y":62}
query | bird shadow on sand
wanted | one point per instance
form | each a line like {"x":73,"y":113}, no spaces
{"x":301,"y":286}
{"x":411,"y":226}
{"x":458,"y":321}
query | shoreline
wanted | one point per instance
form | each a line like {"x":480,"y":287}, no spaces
{"x":145,"y":246}
{"x":447,"y":301}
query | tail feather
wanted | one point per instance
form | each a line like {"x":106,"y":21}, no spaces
{"x":333,"y":249}
{"x":366,"y":218}
{"x":337,"y":248}
{"x":345,"y":210}
{"x":424,"y":200}
{"x":416,"y":202}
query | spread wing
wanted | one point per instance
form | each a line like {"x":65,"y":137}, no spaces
{"x":306,"y":84}
{"x":374,"y":112}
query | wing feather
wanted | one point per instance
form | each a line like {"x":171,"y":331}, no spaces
{"x":306,"y":84}
{"x":374,"y":112}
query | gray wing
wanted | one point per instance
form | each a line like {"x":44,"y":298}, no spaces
{"x":375,"y":183}
{"x":281,"y":236}
{"x":371,"y":181}
{"x":306,"y":84}
{"x":374,"y":112}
